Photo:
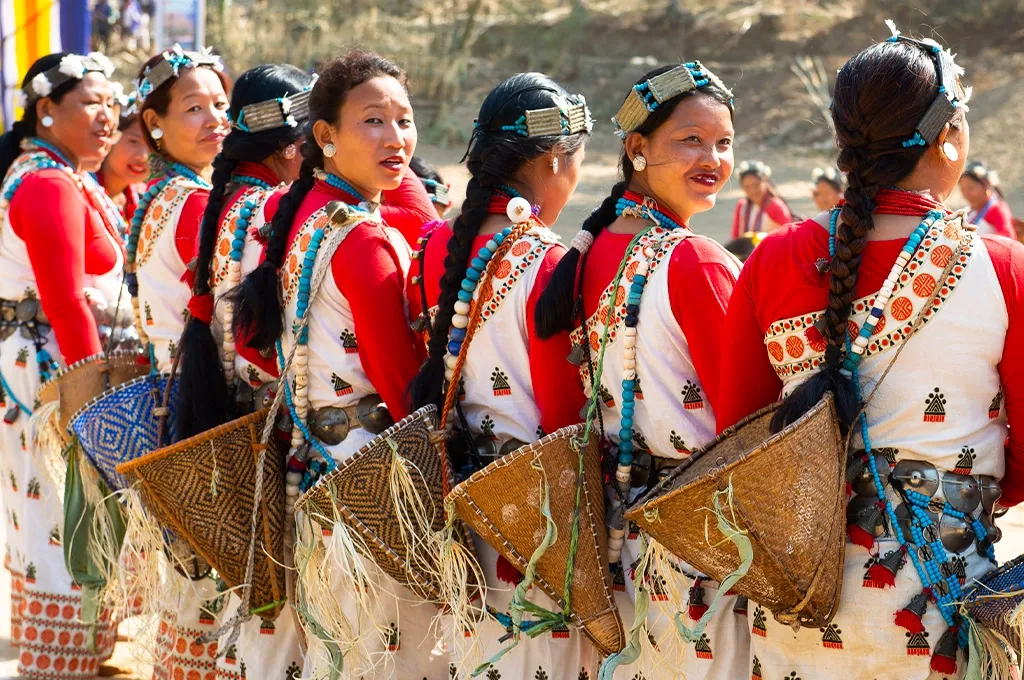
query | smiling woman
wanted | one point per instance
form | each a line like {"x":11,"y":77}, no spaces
{"x":61,"y":259}
{"x":677,"y":155}
{"x":357,"y":354}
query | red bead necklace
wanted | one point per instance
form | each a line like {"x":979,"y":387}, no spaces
{"x":906,"y":203}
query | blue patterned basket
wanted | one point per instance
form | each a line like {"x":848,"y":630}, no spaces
{"x":120,"y":425}
{"x":994,"y":612}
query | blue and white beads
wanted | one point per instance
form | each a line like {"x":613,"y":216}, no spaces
{"x":235,"y":277}
{"x":338,"y":183}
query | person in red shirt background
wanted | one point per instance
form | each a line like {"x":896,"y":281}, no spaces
{"x":825,"y":306}
{"x":658,"y":388}
{"x":516,"y":386}
{"x":988,"y":209}
{"x":126,"y":167}
{"x":763,"y":209}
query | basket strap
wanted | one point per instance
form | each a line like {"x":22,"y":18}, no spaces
{"x":453,"y":384}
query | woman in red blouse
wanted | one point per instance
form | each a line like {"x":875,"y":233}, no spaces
{"x":126,"y":167}
{"x":647,"y":347}
{"x":989,"y":211}
{"x":516,"y":386}
{"x":824,"y":305}
{"x":763,"y":210}
{"x":358,"y":348}
{"x":61,"y":259}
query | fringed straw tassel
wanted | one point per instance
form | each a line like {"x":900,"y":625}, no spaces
{"x":987,"y":657}
{"x":464,"y":594}
{"x":48,"y":445}
{"x":638,"y":629}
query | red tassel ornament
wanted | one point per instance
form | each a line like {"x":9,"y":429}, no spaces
{"x":910,"y":617}
{"x":944,"y":658}
{"x":507,"y":573}
{"x":884,"y":570}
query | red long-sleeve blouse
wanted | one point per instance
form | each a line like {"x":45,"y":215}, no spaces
{"x":773,"y":207}
{"x":556,"y":386}
{"x":700,"y":281}
{"x":408,"y":207}
{"x":780,"y":281}
{"x":66,"y":240}
{"x":369,"y":274}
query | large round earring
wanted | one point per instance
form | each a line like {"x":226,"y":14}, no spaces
{"x":950,"y":152}
{"x":157,"y":133}
{"x":47,"y":121}
{"x":289,"y":152}
{"x":554,"y":165}
{"x":330,"y":150}
{"x":639,"y":163}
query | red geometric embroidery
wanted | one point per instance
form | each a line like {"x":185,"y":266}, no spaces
{"x":941,"y":256}
{"x":830,"y":637}
{"x":917,"y":644}
{"x":924,"y":285}
{"x":901,"y":308}
{"x":965,"y":462}
{"x":996,"y":406}
{"x":794,"y":346}
{"x":814,"y":339}
{"x":775,"y":349}
{"x":703,"y":648}
{"x":504,"y":267}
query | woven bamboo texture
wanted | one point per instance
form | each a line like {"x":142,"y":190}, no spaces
{"x":357,"y":493}
{"x":788,"y":497}
{"x":84,"y":380}
{"x":502,"y":503}
{"x":996,"y":596}
{"x":120,"y":425}
{"x":202,"y":489}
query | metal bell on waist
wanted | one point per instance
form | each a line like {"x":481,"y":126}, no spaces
{"x":916,"y":475}
{"x":992,"y":529}
{"x":373,"y":415}
{"x":956,"y":534}
{"x":264,"y":396}
{"x":961,"y":491}
{"x":578,"y":354}
{"x":330,"y":425}
{"x":904,"y":517}
{"x":12,"y":414}
{"x":27,"y":309}
{"x":510,"y":446}
{"x":863,"y":511}
{"x":863,"y":484}
{"x":990,"y":492}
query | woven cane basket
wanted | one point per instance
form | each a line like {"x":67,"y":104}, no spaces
{"x":502,"y":503}
{"x":992,"y":601}
{"x":357,"y":493}
{"x":788,"y":496}
{"x":202,"y":489}
{"x":121,"y":424}
{"x":86,"y":379}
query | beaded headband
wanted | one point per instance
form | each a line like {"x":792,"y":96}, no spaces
{"x":167,"y":68}
{"x":71,"y":67}
{"x":647,"y":96}
{"x":945,"y":105}
{"x":284,"y":111}
{"x":754,"y":168}
{"x":980,"y":171}
{"x":552,"y":121}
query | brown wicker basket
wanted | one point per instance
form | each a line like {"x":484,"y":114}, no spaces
{"x":357,"y":493}
{"x":502,"y":503}
{"x":83,"y":380}
{"x":202,"y":489}
{"x":789,"y":497}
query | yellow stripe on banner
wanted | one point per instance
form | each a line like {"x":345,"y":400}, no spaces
{"x":32,"y":38}
{"x":20,"y":41}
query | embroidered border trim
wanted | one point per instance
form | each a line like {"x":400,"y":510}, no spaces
{"x":154,"y":225}
{"x":222,"y":254}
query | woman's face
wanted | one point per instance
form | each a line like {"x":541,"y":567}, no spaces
{"x":84,"y":122}
{"x":129,"y":159}
{"x":689,"y":157}
{"x":375,"y":136}
{"x":974,"y":192}
{"x":825,"y":195}
{"x":196,"y":122}
{"x":755,"y":187}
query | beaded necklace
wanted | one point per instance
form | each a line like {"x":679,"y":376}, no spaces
{"x":895,"y":201}
{"x":175,"y":169}
{"x":249,"y":207}
{"x":925,"y":550}
{"x":338,"y":183}
{"x":302,"y":471}
{"x":505,"y":200}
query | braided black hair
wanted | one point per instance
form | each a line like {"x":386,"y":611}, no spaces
{"x":10,"y":142}
{"x":556,"y":307}
{"x":257,"y":302}
{"x":871,"y":125}
{"x":204,"y":397}
{"x":495,"y":156}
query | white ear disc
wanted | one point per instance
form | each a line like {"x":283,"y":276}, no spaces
{"x":518,"y":210}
